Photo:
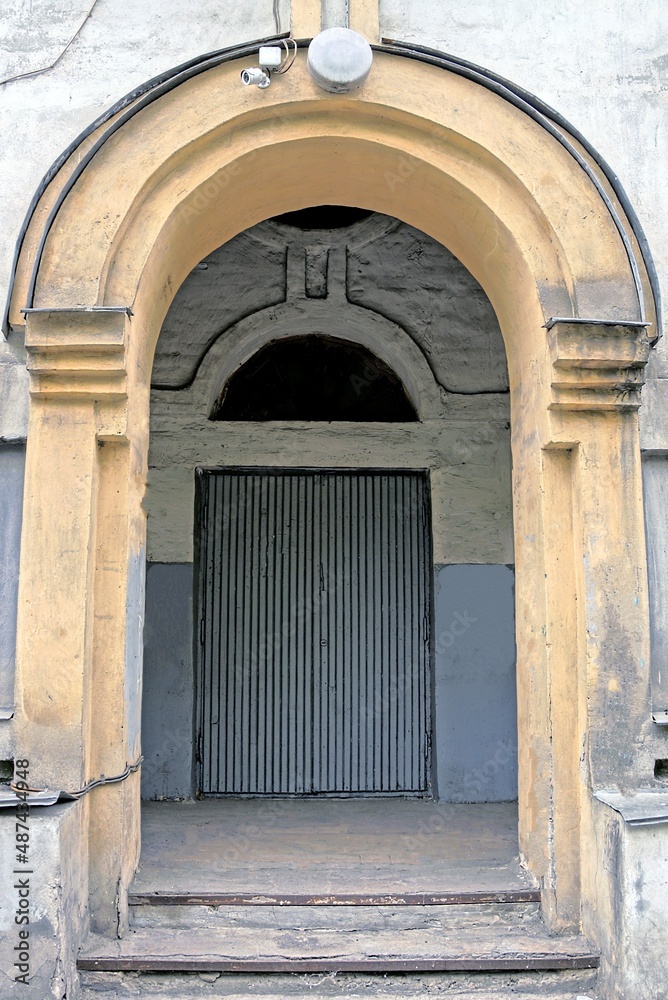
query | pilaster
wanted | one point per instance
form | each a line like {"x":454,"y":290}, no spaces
{"x":597,"y":631}
{"x":75,"y":676}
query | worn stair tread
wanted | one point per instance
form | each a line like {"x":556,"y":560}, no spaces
{"x":314,"y":846}
{"x":162,"y":897}
{"x":181,"y":986}
{"x":243,"y":949}
{"x":239,"y":986}
{"x":362,"y":919}
{"x":331,"y":878}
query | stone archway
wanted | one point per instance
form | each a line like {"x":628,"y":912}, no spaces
{"x":456,"y":160}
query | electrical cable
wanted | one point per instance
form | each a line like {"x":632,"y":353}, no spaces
{"x":174,"y":74}
{"x":548,"y":118}
{"x":290,"y":56}
{"x":71,"y":796}
{"x":540,"y":112}
{"x":45,"y":69}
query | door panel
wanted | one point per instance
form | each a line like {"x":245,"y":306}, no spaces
{"x":314,"y":604}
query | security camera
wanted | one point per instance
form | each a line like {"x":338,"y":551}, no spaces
{"x":255,"y":75}
{"x":272,"y":59}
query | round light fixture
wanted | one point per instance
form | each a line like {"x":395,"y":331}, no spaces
{"x":339,"y":60}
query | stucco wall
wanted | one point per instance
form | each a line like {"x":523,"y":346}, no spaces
{"x":61,"y":67}
{"x":604,"y":66}
{"x":57,"y":884}
{"x":607,"y":76}
{"x":447,"y":346}
{"x":655,"y":483}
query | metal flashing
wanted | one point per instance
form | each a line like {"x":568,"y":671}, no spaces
{"x":583,"y":321}
{"x":645,"y":808}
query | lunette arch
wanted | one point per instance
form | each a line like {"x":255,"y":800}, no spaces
{"x":441,"y":152}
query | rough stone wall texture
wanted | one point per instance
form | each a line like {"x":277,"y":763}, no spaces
{"x":412,"y":280}
{"x":606,"y":75}
{"x":60,"y":68}
{"x":606,"y":72}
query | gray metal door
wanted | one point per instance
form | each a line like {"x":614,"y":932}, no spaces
{"x":314,"y":604}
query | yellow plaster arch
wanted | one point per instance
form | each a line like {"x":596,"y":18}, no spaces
{"x":188,"y":171}
{"x":441,"y":152}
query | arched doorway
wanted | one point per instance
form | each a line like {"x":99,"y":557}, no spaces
{"x":568,"y":290}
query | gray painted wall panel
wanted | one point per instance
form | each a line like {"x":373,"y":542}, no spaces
{"x":474,"y":750}
{"x":655,"y":481}
{"x":167,"y":706}
{"x":12,"y":468}
{"x":475,"y":695}
{"x":135,"y":603}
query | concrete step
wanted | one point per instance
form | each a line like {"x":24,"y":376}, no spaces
{"x":432,"y":947}
{"x":566,"y":985}
{"x":350,"y":916}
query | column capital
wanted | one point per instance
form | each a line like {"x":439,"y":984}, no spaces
{"x":597,"y":364}
{"x":78,"y":353}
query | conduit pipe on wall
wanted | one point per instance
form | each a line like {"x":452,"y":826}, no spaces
{"x":156,"y":87}
{"x":537,"y":110}
{"x":17,"y":796}
{"x":547,"y":118}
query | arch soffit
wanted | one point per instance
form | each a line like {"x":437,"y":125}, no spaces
{"x":439,"y":152}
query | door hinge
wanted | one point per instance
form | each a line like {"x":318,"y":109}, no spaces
{"x":202,"y":626}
